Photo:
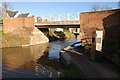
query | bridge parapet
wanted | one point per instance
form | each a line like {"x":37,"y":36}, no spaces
{"x":59,"y":17}
{"x":77,"y":22}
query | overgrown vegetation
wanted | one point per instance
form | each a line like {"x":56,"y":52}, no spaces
{"x":54,"y":35}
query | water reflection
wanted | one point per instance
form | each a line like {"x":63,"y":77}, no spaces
{"x":37,"y":61}
{"x":22,"y":59}
{"x":56,"y":46}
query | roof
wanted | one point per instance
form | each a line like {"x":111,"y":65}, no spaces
{"x":12,"y":13}
{"x":24,"y":15}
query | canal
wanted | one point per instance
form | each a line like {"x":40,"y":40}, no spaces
{"x":38,"y":61}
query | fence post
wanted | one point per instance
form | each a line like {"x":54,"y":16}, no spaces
{"x":50,"y":18}
{"x":78,"y":16}
{"x":59,"y":17}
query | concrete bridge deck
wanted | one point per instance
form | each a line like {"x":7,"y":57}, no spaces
{"x":58,"y":24}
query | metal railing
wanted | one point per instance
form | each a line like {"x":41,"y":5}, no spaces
{"x":59,"y":17}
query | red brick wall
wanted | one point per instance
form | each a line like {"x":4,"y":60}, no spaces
{"x":10,"y":24}
{"x":109,"y":22}
{"x":91,"y":21}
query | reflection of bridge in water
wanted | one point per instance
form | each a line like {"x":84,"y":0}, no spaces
{"x":67,"y":20}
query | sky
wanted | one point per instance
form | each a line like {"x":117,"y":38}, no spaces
{"x":51,"y":8}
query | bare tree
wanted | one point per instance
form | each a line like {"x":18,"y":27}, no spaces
{"x":5,"y":6}
{"x":98,"y":8}
{"x":106,"y":7}
{"x":95,"y":8}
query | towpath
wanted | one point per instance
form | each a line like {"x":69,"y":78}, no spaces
{"x":96,"y":69}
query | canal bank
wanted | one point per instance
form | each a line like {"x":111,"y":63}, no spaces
{"x":60,"y":35}
{"x":38,"y":61}
{"x":101,"y":68}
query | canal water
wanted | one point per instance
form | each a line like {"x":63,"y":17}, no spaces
{"x":38,"y":61}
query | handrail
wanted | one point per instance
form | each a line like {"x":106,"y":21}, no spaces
{"x":60,"y":17}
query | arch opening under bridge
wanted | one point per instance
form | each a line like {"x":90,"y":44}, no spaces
{"x":69,"y":20}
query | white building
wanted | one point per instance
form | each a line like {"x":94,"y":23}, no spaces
{"x":16,"y":14}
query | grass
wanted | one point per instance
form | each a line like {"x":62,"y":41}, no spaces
{"x":52,"y":33}
{"x":68,"y":34}
{"x":65,"y":34}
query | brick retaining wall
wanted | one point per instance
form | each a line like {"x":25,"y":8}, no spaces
{"x":10,"y":24}
{"x":108,"y":21}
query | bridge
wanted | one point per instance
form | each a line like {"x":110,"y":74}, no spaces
{"x":58,"y":24}
{"x":66,"y":20}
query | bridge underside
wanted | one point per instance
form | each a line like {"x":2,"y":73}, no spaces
{"x":57,"y":26}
